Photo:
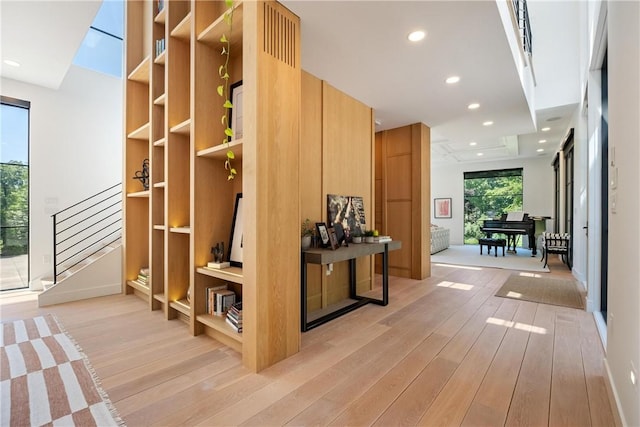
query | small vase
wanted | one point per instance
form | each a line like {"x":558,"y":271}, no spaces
{"x":368,"y":239}
{"x":305,"y":242}
{"x":357,"y":239}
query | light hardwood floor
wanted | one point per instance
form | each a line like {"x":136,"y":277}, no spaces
{"x":444,"y":352}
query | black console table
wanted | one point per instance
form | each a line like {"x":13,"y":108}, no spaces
{"x":345,"y":253}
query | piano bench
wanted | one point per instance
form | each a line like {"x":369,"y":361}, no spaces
{"x":496,"y":243}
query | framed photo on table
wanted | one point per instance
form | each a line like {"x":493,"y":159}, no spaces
{"x":323,"y":234}
{"x":442,"y":208}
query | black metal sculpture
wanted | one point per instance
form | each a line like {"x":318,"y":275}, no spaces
{"x":143,"y":175}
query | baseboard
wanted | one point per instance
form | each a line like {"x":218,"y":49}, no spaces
{"x":79,"y":294}
{"x":618,"y":415}
{"x":601,"y":325}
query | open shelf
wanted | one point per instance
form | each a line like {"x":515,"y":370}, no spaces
{"x":160,"y":142}
{"x":160,"y":297}
{"x":183,"y":128}
{"x":160,"y":59}
{"x":160,"y":100}
{"x":144,"y":288}
{"x":141,"y":133}
{"x":141,"y":72}
{"x":182,"y":306}
{"x":211,"y":35}
{"x":159,"y":185}
{"x":219,"y":324}
{"x":183,"y":230}
{"x":144,"y":193}
{"x":230,"y":274}
{"x":159,"y":227}
{"x":183,"y":29}
{"x":219,"y":152}
{"x":161,"y":17}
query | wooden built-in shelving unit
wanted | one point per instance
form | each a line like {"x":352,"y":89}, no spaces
{"x":173,"y":119}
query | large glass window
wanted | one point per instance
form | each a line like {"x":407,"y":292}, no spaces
{"x":14,"y":193}
{"x":488,"y":195}
{"x":102,"y":47}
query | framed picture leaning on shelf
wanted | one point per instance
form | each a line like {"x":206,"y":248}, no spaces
{"x":235,"y":241}
{"x":236,"y":111}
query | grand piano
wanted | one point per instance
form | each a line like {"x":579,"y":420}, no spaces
{"x":527,"y":225}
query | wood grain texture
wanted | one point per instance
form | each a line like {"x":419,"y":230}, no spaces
{"x":445,"y":351}
{"x":404,"y":180}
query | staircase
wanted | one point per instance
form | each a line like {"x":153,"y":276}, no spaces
{"x":87,"y":249}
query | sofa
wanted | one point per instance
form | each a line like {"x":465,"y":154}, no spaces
{"x":439,"y":239}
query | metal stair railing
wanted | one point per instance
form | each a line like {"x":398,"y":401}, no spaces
{"x":85,"y":228}
{"x":522,"y":15}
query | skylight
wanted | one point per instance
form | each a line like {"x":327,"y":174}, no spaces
{"x":102,"y":47}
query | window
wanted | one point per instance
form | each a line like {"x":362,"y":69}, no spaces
{"x":101,"y":49}
{"x":487,"y":195}
{"x":14,"y":187}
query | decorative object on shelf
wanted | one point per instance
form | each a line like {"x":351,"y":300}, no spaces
{"x":442,"y":208}
{"x":356,"y":237}
{"x":218,"y":257}
{"x":143,"y":175}
{"x":306,"y":233}
{"x":348,"y":211}
{"x":223,"y":90}
{"x":235,"y":241}
{"x":323,"y":234}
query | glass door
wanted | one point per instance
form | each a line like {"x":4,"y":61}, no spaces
{"x":14,"y":193}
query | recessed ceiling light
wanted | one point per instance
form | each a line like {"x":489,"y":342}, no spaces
{"x":453,"y":79}
{"x":416,"y":36}
{"x":473,"y":106}
{"x":546,"y":129}
{"x":480,"y":154}
{"x":542,"y":141}
{"x":12,"y":63}
{"x":487,"y":123}
{"x":540,"y":150}
{"x":472,"y":143}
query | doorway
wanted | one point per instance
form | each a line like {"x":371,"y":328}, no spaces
{"x":604,"y":180}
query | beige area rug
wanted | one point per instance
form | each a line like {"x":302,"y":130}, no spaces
{"x":470,"y":255}
{"x":543,"y":290}
{"x":45,"y":379}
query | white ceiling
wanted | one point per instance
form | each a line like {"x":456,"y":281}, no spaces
{"x":360,"y":47}
{"x":43,"y":36}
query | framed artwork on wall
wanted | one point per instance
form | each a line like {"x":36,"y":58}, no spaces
{"x":348,"y":211}
{"x":442,"y":208}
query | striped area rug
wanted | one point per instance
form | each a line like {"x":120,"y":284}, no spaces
{"x":45,"y":379}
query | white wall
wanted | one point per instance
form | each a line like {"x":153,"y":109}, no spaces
{"x":75,"y":149}
{"x":448,"y":181}
{"x":623,"y":327}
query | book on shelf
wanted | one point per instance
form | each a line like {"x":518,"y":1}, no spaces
{"x":382,"y":239}
{"x":224,"y":300}
{"x":234,"y":316}
{"x":211,"y":297}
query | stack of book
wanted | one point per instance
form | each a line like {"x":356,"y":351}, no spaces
{"x":143,"y":276}
{"x":234,"y":316}
{"x":159,"y":47}
{"x":219,"y":299}
{"x":382,"y":239}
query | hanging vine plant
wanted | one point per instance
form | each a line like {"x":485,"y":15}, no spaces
{"x":223,"y":90}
